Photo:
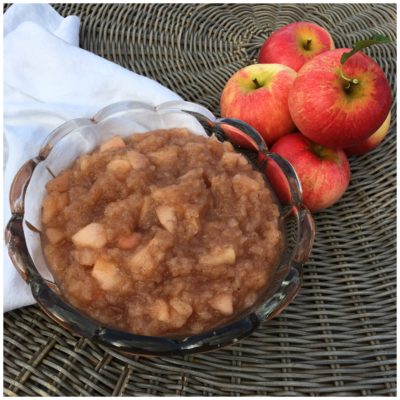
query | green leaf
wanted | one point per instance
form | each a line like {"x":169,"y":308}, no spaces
{"x":362,"y":44}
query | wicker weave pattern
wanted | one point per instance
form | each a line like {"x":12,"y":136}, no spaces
{"x":338,"y":336}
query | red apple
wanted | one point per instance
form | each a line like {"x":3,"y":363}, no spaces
{"x":258,"y":95}
{"x":373,"y":141}
{"x":295,"y":44}
{"x":333,"y":111}
{"x":324,"y":173}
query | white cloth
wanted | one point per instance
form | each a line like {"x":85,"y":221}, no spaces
{"x":48,"y":80}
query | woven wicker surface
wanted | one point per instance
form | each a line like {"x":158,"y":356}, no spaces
{"x":338,"y":336}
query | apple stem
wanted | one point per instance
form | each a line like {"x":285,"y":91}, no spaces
{"x":307,"y":45}
{"x":317,"y":148}
{"x":256,"y":83}
{"x":350,"y":80}
{"x":360,"y":45}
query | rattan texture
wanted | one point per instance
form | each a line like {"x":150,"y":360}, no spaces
{"x":338,"y":336}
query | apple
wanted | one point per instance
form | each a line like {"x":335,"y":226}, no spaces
{"x":372,"y":141}
{"x":258,"y":95}
{"x":295,"y":44}
{"x":324,"y":173}
{"x":339,"y":105}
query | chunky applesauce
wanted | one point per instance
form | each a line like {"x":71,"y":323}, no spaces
{"x":161,"y":233}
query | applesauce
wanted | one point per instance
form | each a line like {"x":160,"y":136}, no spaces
{"x":161,"y":233}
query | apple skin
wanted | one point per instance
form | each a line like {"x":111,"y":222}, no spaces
{"x":372,"y":141}
{"x":295,"y":44}
{"x":328,"y":113}
{"x":264,"y":108}
{"x":324,"y":173}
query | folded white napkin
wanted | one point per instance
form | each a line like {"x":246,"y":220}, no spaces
{"x":48,"y":80}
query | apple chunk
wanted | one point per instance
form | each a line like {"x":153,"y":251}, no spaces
{"x":129,"y":242}
{"x":54,"y":235}
{"x":120,"y":168}
{"x":85,"y":256}
{"x":113,"y":143}
{"x":60,"y":183}
{"x":218,"y":256}
{"x":181,"y":307}
{"x":223,"y":303}
{"x":164,"y":157}
{"x":107,"y":275}
{"x":137,"y":160}
{"x":160,"y":310}
{"x":53,"y":203}
{"x":147,"y":258}
{"x":167,"y":217}
{"x":92,"y":235}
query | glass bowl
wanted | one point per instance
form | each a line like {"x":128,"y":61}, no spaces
{"x":81,"y":136}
